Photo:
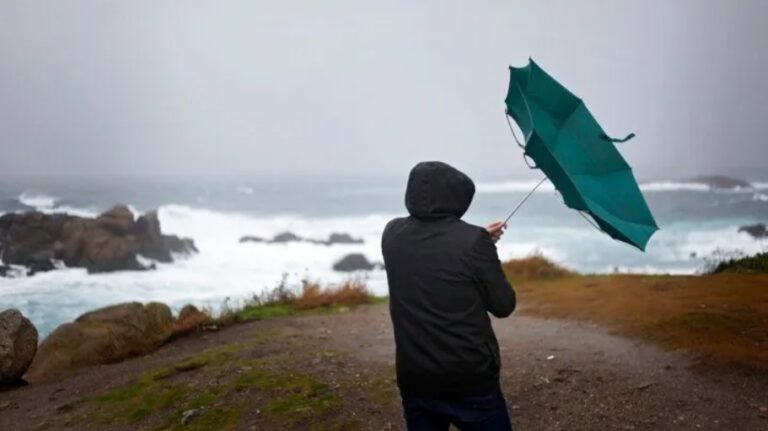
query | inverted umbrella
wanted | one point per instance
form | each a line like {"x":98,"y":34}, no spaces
{"x":565,"y":141}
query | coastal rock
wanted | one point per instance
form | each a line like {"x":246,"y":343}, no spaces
{"x":720,"y":182}
{"x":154,"y":245}
{"x":757,"y":231}
{"x":118,"y":220}
{"x":190,"y":318}
{"x":342,"y":238}
{"x":354,"y":262}
{"x":18,"y":344}
{"x":103,"y":336}
{"x":110,"y":242}
{"x":27,"y":238}
{"x":250,"y":238}
{"x":285,"y":237}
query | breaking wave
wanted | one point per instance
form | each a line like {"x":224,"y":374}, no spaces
{"x":36,"y":200}
{"x":654,"y":186}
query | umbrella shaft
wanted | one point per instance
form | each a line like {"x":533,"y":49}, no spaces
{"x":519,"y":204}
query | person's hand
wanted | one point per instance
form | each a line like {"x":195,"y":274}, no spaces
{"x":496,"y":230}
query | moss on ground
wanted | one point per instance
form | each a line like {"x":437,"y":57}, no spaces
{"x":162,"y":396}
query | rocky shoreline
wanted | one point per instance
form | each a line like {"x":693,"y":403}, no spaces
{"x":112,"y":241}
{"x":103,"y":336}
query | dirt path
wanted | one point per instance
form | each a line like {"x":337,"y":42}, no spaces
{"x":556,"y":375}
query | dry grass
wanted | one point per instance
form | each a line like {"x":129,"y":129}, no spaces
{"x":724,"y":317}
{"x":534,"y":267}
{"x":284,"y":299}
{"x":349,"y":293}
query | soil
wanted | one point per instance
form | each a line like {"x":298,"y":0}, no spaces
{"x":336,"y":371}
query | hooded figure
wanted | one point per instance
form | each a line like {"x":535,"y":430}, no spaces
{"x":444,"y":278}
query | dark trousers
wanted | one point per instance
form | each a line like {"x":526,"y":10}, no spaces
{"x":487,"y":412}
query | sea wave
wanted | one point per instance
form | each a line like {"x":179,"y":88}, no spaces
{"x":37,"y":200}
{"x":760,"y":197}
{"x":225,"y":268}
{"x":654,"y":186}
{"x":670,"y":186}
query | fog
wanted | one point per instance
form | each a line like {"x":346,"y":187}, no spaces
{"x":244,"y":88}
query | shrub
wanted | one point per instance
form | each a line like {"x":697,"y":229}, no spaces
{"x":535,"y":267}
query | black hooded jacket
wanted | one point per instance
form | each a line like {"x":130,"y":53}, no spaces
{"x":444,"y":277}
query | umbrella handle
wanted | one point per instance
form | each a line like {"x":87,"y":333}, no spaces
{"x":522,"y":201}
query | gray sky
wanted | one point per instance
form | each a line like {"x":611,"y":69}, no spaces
{"x":368,"y":88}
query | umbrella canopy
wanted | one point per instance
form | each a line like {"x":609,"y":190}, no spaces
{"x":569,"y":146}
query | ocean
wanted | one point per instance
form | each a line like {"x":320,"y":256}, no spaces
{"x":695,"y":223}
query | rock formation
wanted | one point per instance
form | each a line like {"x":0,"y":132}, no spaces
{"x":355,"y":262}
{"x":18,"y":344}
{"x":757,"y":230}
{"x":285,"y":237}
{"x":103,"y":336}
{"x":110,"y":242}
{"x":720,"y":182}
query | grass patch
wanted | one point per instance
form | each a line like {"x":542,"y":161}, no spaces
{"x":266,"y":311}
{"x":723,"y":317}
{"x":154,"y":392}
{"x":284,"y":300}
{"x":219,"y":395}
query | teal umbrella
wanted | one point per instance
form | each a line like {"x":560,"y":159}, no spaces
{"x":564,"y":140}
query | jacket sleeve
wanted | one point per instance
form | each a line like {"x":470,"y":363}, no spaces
{"x":495,"y":290}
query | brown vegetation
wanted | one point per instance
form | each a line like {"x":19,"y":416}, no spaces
{"x":534,"y":267}
{"x":349,"y":293}
{"x":723,"y":317}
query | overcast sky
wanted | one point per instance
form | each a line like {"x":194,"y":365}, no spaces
{"x":238,"y":88}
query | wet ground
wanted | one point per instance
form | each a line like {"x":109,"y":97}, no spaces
{"x":556,"y":375}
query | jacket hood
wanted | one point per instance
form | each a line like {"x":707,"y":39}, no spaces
{"x":436,"y":190}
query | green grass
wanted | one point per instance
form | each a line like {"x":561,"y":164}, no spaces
{"x":757,"y":264}
{"x":270,"y":311}
{"x":267,"y":311}
{"x":159,"y":396}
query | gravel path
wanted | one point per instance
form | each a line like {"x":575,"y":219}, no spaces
{"x":557,"y":375}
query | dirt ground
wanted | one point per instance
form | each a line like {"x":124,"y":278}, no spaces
{"x":335,"y":371}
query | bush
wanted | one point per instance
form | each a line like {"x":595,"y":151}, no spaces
{"x":284,"y":299}
{"x":534,"y":267}
{"x":352,"y":292}
{"x":737,"y":262}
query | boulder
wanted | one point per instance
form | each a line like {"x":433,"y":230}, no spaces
{"x":18,"y":344}
{"x":103,"y":336}
{"x":757,"y":231}
{"x":190,"y":318}
{"x":354,"y":262}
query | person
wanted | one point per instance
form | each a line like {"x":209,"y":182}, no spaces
{"x":444,"y":278}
